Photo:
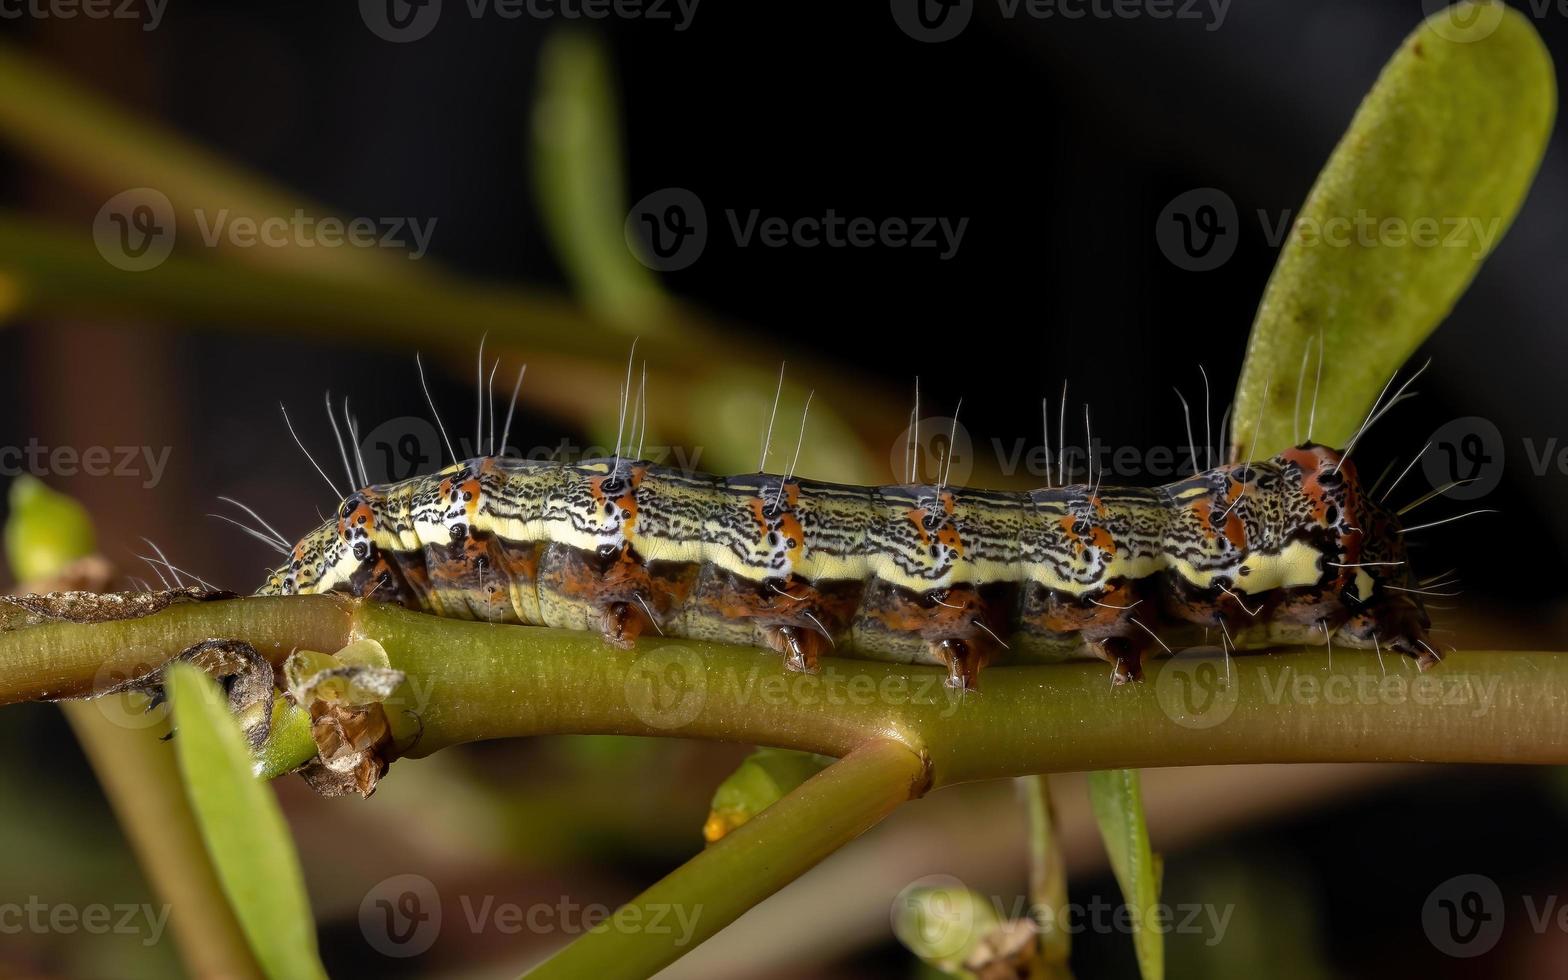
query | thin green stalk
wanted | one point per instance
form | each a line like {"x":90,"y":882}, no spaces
{"x":1047,"y":875}
{"x":714,"y":888}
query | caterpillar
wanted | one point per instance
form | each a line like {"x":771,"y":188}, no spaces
{"x":1284,"y":550}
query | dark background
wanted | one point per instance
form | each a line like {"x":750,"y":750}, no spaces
{"x":1061,"y":141}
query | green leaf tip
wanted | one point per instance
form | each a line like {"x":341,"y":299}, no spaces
{"x":1420,"y":189}
{"x":244,"y":830}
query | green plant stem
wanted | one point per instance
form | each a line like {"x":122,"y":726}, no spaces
{"x":471,"y":681}
{"x":51,"y":661}
{"x":774,"y":848}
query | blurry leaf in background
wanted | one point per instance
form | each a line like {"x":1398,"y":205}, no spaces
{"x":1117,"y":800}
{"x":245,"y":832}
{"x":941,"y":922}
{"x":1418,"y":192}
{"x":579,"y":179}
{"x":45,"y":532}
{"x":758,"y":783}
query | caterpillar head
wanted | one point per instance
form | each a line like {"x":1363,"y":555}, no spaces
{"x":1368,"y":573}
{"x":312,"y":566}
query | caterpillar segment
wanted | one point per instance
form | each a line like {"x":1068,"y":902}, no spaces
{"x":1280,"y":551}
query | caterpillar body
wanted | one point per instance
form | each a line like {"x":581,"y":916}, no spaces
{"x":1283,"y":550}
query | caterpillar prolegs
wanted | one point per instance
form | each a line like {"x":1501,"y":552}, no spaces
{"x":1283,"y":550}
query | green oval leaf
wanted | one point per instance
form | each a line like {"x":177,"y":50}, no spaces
{"x":244,"y":830}
{"x":1117,"y":799}
{"x":758,"y":783}
{"x":1419,"y":190}
{"x":45,"y":532}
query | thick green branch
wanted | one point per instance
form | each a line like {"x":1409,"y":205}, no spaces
{"x":472,"y":681}
{"x":714,"y":888}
